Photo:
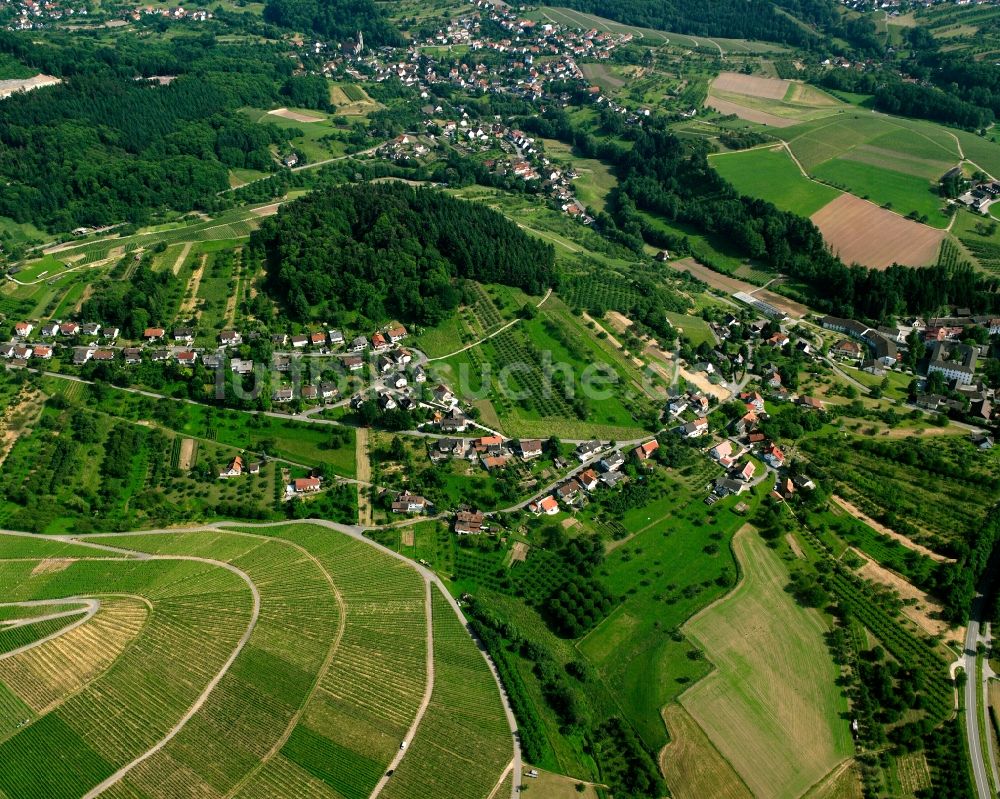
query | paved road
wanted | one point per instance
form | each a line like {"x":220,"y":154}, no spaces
{"x":973,"y":695}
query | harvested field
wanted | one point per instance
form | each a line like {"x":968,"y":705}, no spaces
{"x":266,"y":210}
{"x":793,"y":544}
{"x":857,"y":513}
{"x":519,"y":552}
{"x":51,"y":566}
{"x":862,"y":232}
{"x":772,"y":706}
{"x":407,"y":537}
{"x":618,"y":321}
{"x":749,"y":114}
{"x":553,"y":786}
{"x":295,"y":116}
{"x":186,"y":459}
{"x":844,"y":782}
{"x":692,"y":765}
{"x":190,"y":304}
{"x":926,"y":613}
{"x":752,"y":85}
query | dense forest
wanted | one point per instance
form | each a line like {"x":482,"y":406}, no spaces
{"x":333,"y":19}
{"x":391,"y":251}
{"x":104,"y":147}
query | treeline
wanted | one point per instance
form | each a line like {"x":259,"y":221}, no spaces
{"x":892,"y":95}
{"x":738,"y":19}
{"x":333,"y":19}
{"x":103,"y":147}
{"x":391,"y":251}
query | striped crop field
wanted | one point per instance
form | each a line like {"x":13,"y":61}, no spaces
{"x":272,"y":662}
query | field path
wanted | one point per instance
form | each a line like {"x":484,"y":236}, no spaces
{"x":189,"y":304}
{"x":89,"y":609}
{"x":425,"y":701}
{"x":363,"y":474}
{"x":182,"y":257}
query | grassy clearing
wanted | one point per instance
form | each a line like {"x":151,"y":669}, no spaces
{"x":695,"y":328}
{"x":317,"y":140}
{"x":772,"y":706}
{"x":785,"y":185}
{"x":638,"y":649}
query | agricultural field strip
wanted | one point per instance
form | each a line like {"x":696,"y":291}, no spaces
{"x":330,"y":685}
{"x":91,"y":606}
{"x":428,"y":689}
{"x":255,"y":612}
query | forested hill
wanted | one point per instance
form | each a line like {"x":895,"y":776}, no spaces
{"x":103,"y":148}
{"x":391,"y":251}
{"x":333,"y":19}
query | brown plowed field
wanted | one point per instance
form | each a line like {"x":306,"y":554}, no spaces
{"x":861,"y":232}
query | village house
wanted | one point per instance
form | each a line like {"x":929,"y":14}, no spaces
{"x":158,"y":356}
{"x":753,"y":400}
{"x":69,"y":329}
{"x":359,"y":344}
{"x":153,"y":333}
{"x":529,"y":448}
{"x":694,"y":429}
{"x":547,"y":505}
{"x":81,"y":355}
{"x":379,"y":342}
{"x":568,"y":491}
{"x":405,"y":502}
{"x":588,"y":479}
{"x":90,"y":329}
{"x":336,"y":338}
{"x":644,"y":452}
{"x":230,"y":338}
{"x":747,"y":472}
{"x":22,"y":352}
{"x":611,"y":462}
{"x":443,"y":395}
{"x":233,"y":469}
{"x":774,"y":456}
{"x":306,"y":485}
{"x":847,"y":349}
{"x":184,"y":335}
{"x":282,"y":395}
{"x":470,"y":522}
{"x":299,"y":341}
{"x":187,"y":357}
{"x":317,"y":339}
{"x":354,"y":362}
{"x":454,"y":421}
{"x":43,"y":351}
{"x":309,"y":392}
{"x":587,"y":450}
{"x":396,"y":333}
{"x":23,"y":329}
{"x":50,"y":329}
{"x":103,"y":355}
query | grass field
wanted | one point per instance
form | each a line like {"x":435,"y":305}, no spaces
{"x":314,"y":141}
{"x":785,"y":186}
{"x":595,"y":177}
{"x":772,"y":706}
